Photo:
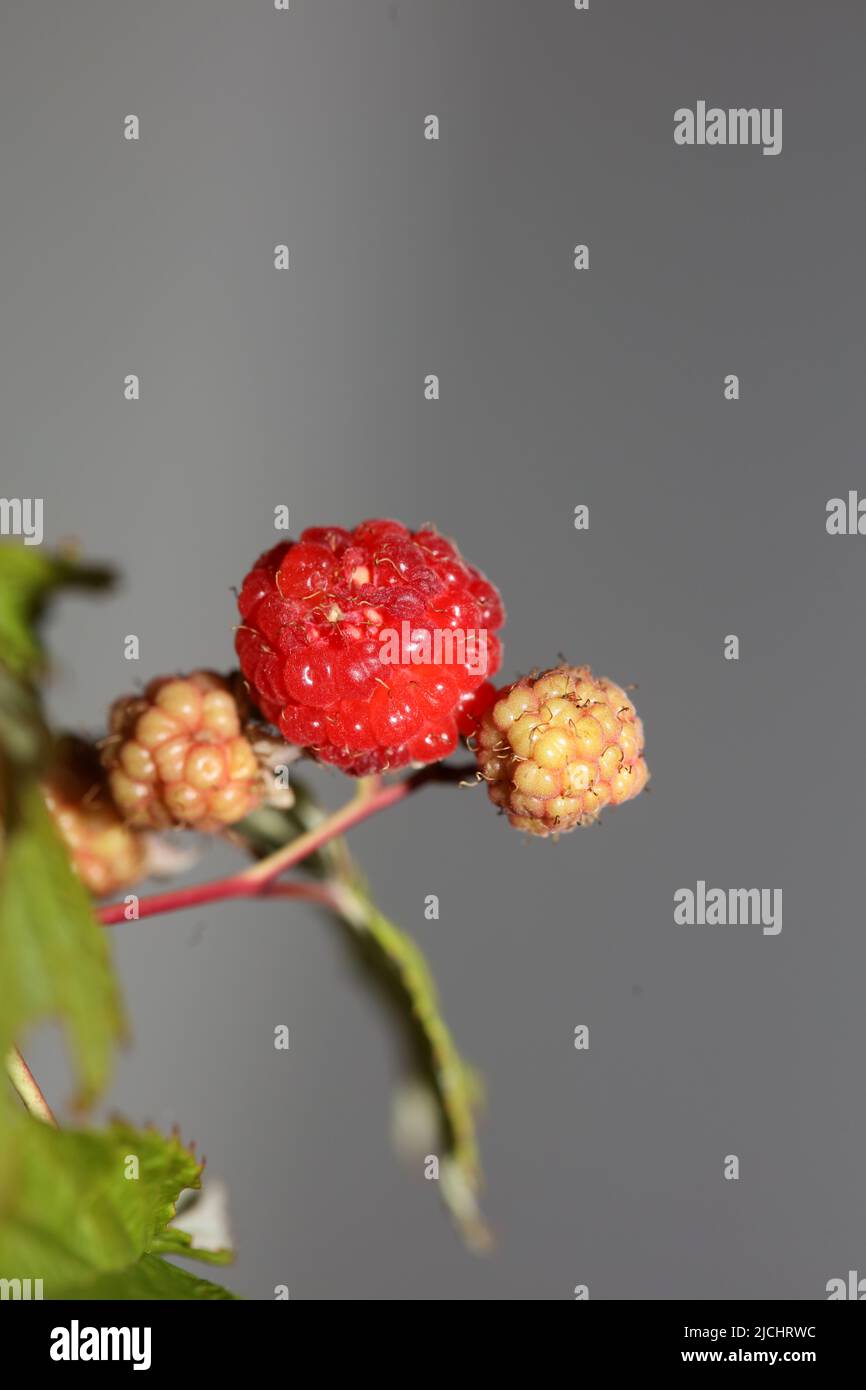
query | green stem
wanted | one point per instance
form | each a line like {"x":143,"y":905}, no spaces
{"x":27,"y":1087}
{"x":455,"y":1083}
{"x":453,"y":1078}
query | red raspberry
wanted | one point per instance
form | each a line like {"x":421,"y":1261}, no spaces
{"x":558,"y":747}
{"x":177,"y":755}
{"x":474,"y":706}
{"x":105,"y":853}
{"x":321,"y":617}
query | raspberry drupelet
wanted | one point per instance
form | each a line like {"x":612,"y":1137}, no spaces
{"x":105,"y":853}
{"x":558,"y":747}
{"x":177,"y":755}
{"x":315,"y":616}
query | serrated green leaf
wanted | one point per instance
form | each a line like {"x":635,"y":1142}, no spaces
{"x":86,"y":1211}
{"x":54,"y":957}
{"x":177,"y":1242}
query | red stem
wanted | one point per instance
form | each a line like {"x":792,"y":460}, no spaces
{"x":256,"y":881}
{"x":309,"y":892}
{"x":174,"y":900}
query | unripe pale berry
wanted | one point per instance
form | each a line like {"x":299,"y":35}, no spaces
{"x":177,"y":755}
{"x":556,"y":748}
{"x":105,"y":853}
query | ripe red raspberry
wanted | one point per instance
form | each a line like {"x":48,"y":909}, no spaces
{"x":105,"y":853}
{"x":176,"y":755}
{"x":557,"y":747}
{"x":321,"y":619}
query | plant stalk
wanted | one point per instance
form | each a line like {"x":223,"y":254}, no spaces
{"x":27,"y":1086}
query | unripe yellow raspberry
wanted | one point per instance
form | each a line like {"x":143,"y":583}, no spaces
{"x":558,"y":747}
{"x":105,"y":853}
{"x":177,"y":755}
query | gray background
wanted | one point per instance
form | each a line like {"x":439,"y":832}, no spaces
{"x":605,"y":387}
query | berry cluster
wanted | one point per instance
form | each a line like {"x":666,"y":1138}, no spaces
{"x":369,"y":649}
{"x":558,"y":747}
{"x":314,"y":617}
{"x":177,"y":755}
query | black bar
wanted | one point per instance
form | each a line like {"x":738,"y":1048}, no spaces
{"x":649,"y":1336}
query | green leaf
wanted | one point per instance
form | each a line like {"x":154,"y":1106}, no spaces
{"x":87,"y":1213}
{"x":76,"y":1211}
{"x":153,"y":1278}
{"x":23,"y":736}
{"x":28,"y":576}
{"x":54,"y":956}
